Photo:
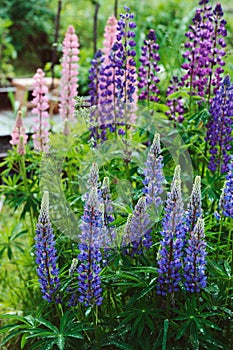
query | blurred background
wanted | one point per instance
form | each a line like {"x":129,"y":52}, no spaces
{"x":31,"y":32}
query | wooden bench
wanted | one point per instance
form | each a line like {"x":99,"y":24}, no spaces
{"x":24,"y":85}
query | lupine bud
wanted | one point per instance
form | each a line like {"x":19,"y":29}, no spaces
{"x":194,"y":209}
{"x":18,"y":131}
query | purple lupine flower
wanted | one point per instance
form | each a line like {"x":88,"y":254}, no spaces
{"x":194,"y":210}
{"x":123,"y":60}
{"x":90,"y":256}
{"x":195,"y":259}
{"x":41,"y":105}
{"x":137,"y":230}
{"x":46,"y":254}
{"x":95,"y":91}
{"x":148,"y":69}
{"x":176,"y":105}
{"x":219,"y":127}
{"x":226,"y":201}
{"x":69,"y":78}
{"x":171,"y":245}
{"x":153,"y":172}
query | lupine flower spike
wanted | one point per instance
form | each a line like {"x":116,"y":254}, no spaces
{"x":109,"y":37}
{"x":194,"y":209}
{"x":195,"y":259}
{"x":219,"y":127}
{"x":108,"y":216}
{"x":19,"y":132}
{"x":137,"y":231}
{"x":226,"y":201}
{"x":171,"y":245}
{"x":153,"y":172}
{"x":148,"y":79}
{"x":69,"y":78}
{"x":46,"y":254}
{"x":40,"y":100}
{"x":90,"y":256}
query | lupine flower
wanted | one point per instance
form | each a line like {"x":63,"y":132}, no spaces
{"x":123,"y":61}
{"x":195,"y":259}
{"x":69,"y":78}
{"x":194,"y":209}
{"x":21,"y":146}
{"x":40,"y":101}
{"x":219,"y":127}
{"x":148,"y":69}
{"x":153,"y":172}
{"x":171,"y":245}
{"x":137,"y":231}
{"x":109,"y":37}
{"x":90,"y":256}
{"x":18,"y":131}
{"x":176,"y":105}
{"x":95,"y":93}
{"x":226,"y":201}
{"x":46,"y":255}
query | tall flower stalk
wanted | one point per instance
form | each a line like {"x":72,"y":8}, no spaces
{"x":46,"y":254}
{"x":148,"y":70}
{"x":69,"y":78}
{"x":219,"y":127}
{"x":90,"y":257}
{"x":171,"y":246}
{"x":195,"y":259}
{"x":19,"y":133}
{"x":40,"y":101}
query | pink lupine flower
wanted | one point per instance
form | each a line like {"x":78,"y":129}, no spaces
{"x":110,"y":32}
{"x":18,"y":131}
{"x":40,"y":100}
{"x":69,"y":79}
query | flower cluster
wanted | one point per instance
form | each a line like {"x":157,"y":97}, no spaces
{"x":110,"y":32}
{"x":194,"y":210}
{"x":137,"y":230}
{"x":154,"y":179}
{"x":176,"y":105}
{"x":46,"y":255}
{"x":108,"y":233}
{"x":195,"y":259}
{"x":173,"y":234}
{"x":148,"y":69}
{"x":219,"y":127}
{"x":19,"y":136}
{"x":40,"y":101}
{"x":89,"y":281}
{"x":69,"y":79}
{"x":226,"y":202}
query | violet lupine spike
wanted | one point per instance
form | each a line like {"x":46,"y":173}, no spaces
{"x":18,"y":131}
{"x":41,"y":106}
{"x":90,"y":256}
{"x":148,"y":79}
{"x":46,"y":254}
{"x":171,"y":246}
{"x":123,"y":61}
{"x":153,"y":172}
{"x":226,"y":201}
{"x":219,"y":127}
{"x":195,"y":277}
{"x":69,"y":75}
{"x":95,"y":88}
{"x":176,"y":105}
{"x":137,"y":230}
{"x":194,"y":210}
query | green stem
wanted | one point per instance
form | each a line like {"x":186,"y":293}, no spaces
{"x":219,"y":238}
{"x":165,"y":331}
{"x":26,"y":187}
